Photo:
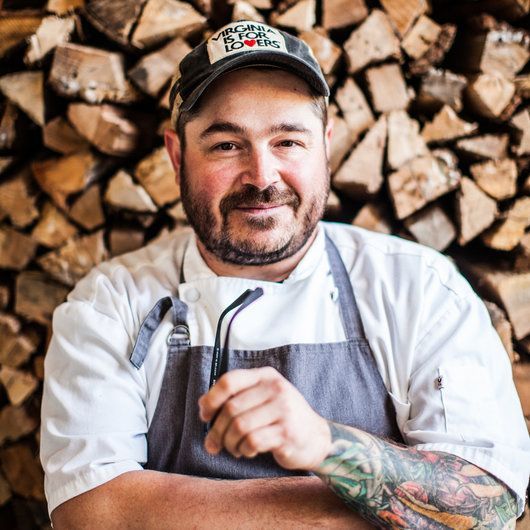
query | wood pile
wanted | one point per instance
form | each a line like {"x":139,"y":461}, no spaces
{"x":431,"y":105}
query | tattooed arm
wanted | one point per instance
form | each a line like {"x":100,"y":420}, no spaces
{"x":401,"y":487}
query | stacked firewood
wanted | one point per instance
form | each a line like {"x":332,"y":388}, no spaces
{"x":431,"y":106}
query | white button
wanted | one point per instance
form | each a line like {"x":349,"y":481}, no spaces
{"x":192,"y":295}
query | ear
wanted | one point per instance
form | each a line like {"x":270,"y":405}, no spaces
{"x":173,"y":148}
{"x":328,"y":134}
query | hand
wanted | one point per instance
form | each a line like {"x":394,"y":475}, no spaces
{"x":260,"y":411}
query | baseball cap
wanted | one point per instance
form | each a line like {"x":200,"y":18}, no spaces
{"x":238,"y":45}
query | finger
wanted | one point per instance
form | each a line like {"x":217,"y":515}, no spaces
{"x":262,"y":440}
{"x":229,"y":385}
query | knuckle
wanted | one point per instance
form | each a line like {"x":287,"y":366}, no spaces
{"x":240,"y":426}
{"x":252,"y":441}
{"x":231,"y":408}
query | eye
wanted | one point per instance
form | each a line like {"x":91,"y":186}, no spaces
{"x":288,"y":143}
{"x":225,"y":146}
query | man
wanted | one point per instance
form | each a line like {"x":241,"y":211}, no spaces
{"x":355,"y":374}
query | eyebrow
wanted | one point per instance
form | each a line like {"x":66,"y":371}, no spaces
{"x":229,"y":127}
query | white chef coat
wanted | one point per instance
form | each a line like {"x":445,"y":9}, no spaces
{"x":439,"y":356}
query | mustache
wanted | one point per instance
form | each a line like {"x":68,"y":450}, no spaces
{"x":250,"y":196}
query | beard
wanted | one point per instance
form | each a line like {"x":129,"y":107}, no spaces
{"x":228,"y":245}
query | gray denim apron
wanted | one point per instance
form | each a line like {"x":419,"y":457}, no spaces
{"x":339,"y":380}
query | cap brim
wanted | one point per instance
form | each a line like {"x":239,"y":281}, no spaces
{"x":264,"y":58}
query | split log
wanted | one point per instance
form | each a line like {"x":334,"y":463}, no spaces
{"x":419,"y":182}
{"x":114,"y":18}
{"x":521,"y":122}
{"x":26,"y":91}
{"x":387,"y":88}
{"x":8,"y":129}
{"x":404,"y":140}
{"x":38,"y":367}
{"x":37,"y":295}
{"x":301,"y":16}
{"x":154,"y":70}
{"x":165,"y":19}
{"x":60,"y":136}
{"x":361,"y":175}
{"x":498,"y":178}
{"x":374,"y":216}
{"x":447,"y":126}
{"x":155,"y":173}
{"x":179,"y":215}
{"x":522,"y":86}
{"x":522,"y":258}
{"x":15,"y":422}
{"x":87,"y":209}
{"x":245,"y":11}
{"x":421,"y":37}
{"x":432,"y":227}
{"x":15,"y":28}
{"x":122,"y":192}
{"x":15,"y":347}
{"x":52,"y":32}
{"x":63,"y":7}
{"x":19,"y":384}
{"x":489,"y":94}
{"x":403,"y":13}
{"x":16,"y":249}
{"x":5,"y":491}
{"x":507,"y":234}
{"x":23,"y":471}
{"x":343,"y":13}
{"x":342,"y":139}
{"x":439,"y":88}
{"x":493,"y":146}
{"x":63,"y":176}
{"x":92,"y":74}
{"x":4,"y":297}
{"x":112,"y":130}
{"x":72,"y":261}
{"x":53,"y":229}
{"x":5,"y":162}
{"x":325,"y":50}
{"x":18,"y":199}
{"x":374,"y":40}
{"x":258,"y":4}
{"x":475,"y":211}
{"x":355,"y":108}
{"x":122,"y":240}
{"x":502,"y":327}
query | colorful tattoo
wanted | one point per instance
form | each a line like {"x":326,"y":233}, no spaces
{"x":396,"y":486}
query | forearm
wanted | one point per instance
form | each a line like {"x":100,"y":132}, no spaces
{"x":152,"y":500}
{"x":398,"y":486}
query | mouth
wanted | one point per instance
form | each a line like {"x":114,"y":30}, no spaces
{"x":260,"y":208}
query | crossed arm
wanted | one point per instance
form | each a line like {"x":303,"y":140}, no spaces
{"x":255,"y":411}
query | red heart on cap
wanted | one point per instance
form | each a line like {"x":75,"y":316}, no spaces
{"x":250,"y":42}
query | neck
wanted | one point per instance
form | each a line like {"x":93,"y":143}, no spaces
{"x":272,"y":272}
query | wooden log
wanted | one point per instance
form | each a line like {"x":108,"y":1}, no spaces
{"x":122,"y":240}
{"x":502,"y":327}
{"x":53,"y":229}
{"x":122,"y":192}
{"x":72,"y":261}
{"x":489,"y":94}
{"x":155,"y":173}
{"x":16,"y":27}
{"x":15,"y":347}
{"x":154,"y":70}
{"x":8,"y":126}
{"x":18,"y":199}
{"x":343,"y":13}
{"x":15,"y":422}
{"x":38,"y":367}
{"x":52,"y":32}
{"x":420,"y":38}
{"x":522,"y":257}
{"x":4,"y":297}
{"x":508,"y":233}
{"x":112,"y":130}
{"x":498,"y":178}
{"x":26,"y":91}
{"x":521,"y":122}
{"x":447,"y":126}
{"x":246,"y":11}
{"x":114,"y":18}
{"x":19,"y":384}
{"x":325,"y":50}
{"x":165,"y":19}
{"x":23,"y":471}
{"x":374,"y":40}
{"x":493,"y":146}
{"x":5,"y":162}
{"x":361,"y":175}
{"x":355,"y":108}
{"x":87,"y":209}
{"x":16,"y":249}
{"x":404,"y":140}
{"x":342,"y":139}
{"x":37,"y":295}
{"x":92,"y":74}
{"x":301,"y":16}
{"x":439,"y":88}
{"x":522,"y":86}
{"x":63,"y":7}
{"x":387,"y":88}
{"x":431,"y":226}
{"x":374,"y":216}
{"x":60,"y":136}
{"x":403,"y":13}
{"x":419,"y":182}
{"x":5,"y":491}
{"x":63,"y":176}
{"x":258,"y":4}
{"x":474,"y":209}
{"x":177,"y":212}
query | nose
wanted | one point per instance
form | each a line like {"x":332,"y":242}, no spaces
{"x":260,"y":168}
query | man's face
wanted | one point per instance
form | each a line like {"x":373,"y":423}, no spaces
{"x":254,"y":172}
